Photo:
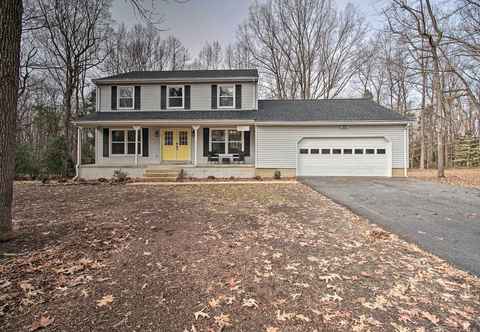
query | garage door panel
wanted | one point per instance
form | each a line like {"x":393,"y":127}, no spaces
{"x":349,"y":162}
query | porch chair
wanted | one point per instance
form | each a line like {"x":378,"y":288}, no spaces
{"x":212,"y":157}
{"x":240,"y":157}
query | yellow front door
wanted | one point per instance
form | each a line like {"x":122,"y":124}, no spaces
{"x":176,"y":144}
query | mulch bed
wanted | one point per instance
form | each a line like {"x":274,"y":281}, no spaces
{"x":269,"y":257}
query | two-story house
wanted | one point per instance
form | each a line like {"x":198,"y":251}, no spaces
{"x":211,"y":123}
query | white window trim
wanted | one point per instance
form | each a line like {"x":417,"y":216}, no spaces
{"x":168,"y":96}
{"x":125,"y":130}
{"x":118,"y":97}
{"x":218,"y":95}
{"x":226,"y":139}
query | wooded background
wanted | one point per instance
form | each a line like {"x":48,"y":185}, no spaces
{"x":423,"y":63}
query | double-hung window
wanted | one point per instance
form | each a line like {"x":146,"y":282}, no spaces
{"x":175,"y":96}
{"x":218,"y":140}
{"x":226,"y":141}
{"x":226,"y":96}
{"x":125,"y":97}
{"x":123,"y":142}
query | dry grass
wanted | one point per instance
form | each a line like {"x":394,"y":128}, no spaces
{"x":465,"y":177}
{"x":270,"y":257}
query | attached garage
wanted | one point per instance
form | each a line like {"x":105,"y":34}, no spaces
{"x":344,"y":156}
{"x":335,"y":137}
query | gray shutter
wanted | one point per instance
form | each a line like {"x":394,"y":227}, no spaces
{"x":238,"y":96}
{"x":214,"y":96}
{"x":187,"y":97}
{"x":137,"y":97}
{"x":163,"y":97}
{"x":206,"y":133}
{"x":106,"y":141}
{"x":246,"y":143}
{"x":114,"y":97}
{"x":145,"y":138}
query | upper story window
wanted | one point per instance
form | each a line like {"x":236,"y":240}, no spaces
{"x":226,"y":96}
{"x":125,"y":96}
{"x":175,"y":97}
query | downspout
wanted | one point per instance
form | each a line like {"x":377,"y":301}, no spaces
{"x":405,"y":157}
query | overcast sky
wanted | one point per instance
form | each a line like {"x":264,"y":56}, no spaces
{"x":197,"y":21}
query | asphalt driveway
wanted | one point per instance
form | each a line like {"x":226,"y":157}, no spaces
{"x":442,"y":219}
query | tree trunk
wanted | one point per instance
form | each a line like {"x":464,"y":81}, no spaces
{"x":10,"y":37}
{"x":422,"y":113}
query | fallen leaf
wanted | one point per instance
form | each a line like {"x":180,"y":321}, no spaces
{"x":250,"y":303}
{"x":201,"y":314}
{"x":41,"y":323}
{"x":107,"y":299}
{"x":283,"y":316}
{"x":434,"y":319}
{"x":272,"y":329}
{"x":223,"y":320}
{"x":302,"y":317}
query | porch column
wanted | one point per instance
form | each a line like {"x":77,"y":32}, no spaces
{"x":195,"y":128}
{"x":79,"y":151}
{"x":136,"y":145}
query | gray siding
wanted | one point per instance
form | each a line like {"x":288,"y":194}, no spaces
{"x":200,"y":98}
{"x":276,"y":147}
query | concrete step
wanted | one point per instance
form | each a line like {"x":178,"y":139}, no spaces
{"x":160,"y":174}
{"x":158,"y":179}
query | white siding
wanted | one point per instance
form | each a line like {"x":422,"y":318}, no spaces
{"x":105,"y":98}
{"x":276,"y":146}
{"x":150,"y":100}
{"x":200,"y":97}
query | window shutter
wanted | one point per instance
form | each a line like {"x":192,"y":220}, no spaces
{"x":163,"y":97}
{"x":238,"y":96}
{"x":214,"y":96}
{"x":106,"y":142}
{"x":137,"y":96}
{"x":246,"y":143}
{"x":187,"y":97}
{"x":206,"y":133}
{"x":145,"y":138}
{"x":114,"y":97}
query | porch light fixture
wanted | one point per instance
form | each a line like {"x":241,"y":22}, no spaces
{"x":157,"y":133}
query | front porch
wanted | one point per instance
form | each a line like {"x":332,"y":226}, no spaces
{"x":200,"y":151}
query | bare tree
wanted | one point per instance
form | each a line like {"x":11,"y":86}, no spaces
{"x":209,"y":57}
{"x":307,"y":49}
{"x":71,"y":41}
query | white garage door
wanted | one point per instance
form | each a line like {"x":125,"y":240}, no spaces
{"x":344,"y":156}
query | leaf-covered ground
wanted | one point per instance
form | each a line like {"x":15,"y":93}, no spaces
{"x":465,"y":177}
{"x":236,"y":257}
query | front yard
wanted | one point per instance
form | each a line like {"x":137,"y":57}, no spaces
{"x":235,"y":257}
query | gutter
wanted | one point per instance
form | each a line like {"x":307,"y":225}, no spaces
{"x":329,"y":123}
{"x":167,"y":122}
{"x":100,"y":81}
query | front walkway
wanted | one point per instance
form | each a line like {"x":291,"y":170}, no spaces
{"x":441,"y":218}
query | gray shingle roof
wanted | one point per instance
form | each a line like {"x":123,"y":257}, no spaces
{"x":325,"y":110}
{"x":182,"y":74}
{"x":170,"y":115}
{"x":271,"y":111}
